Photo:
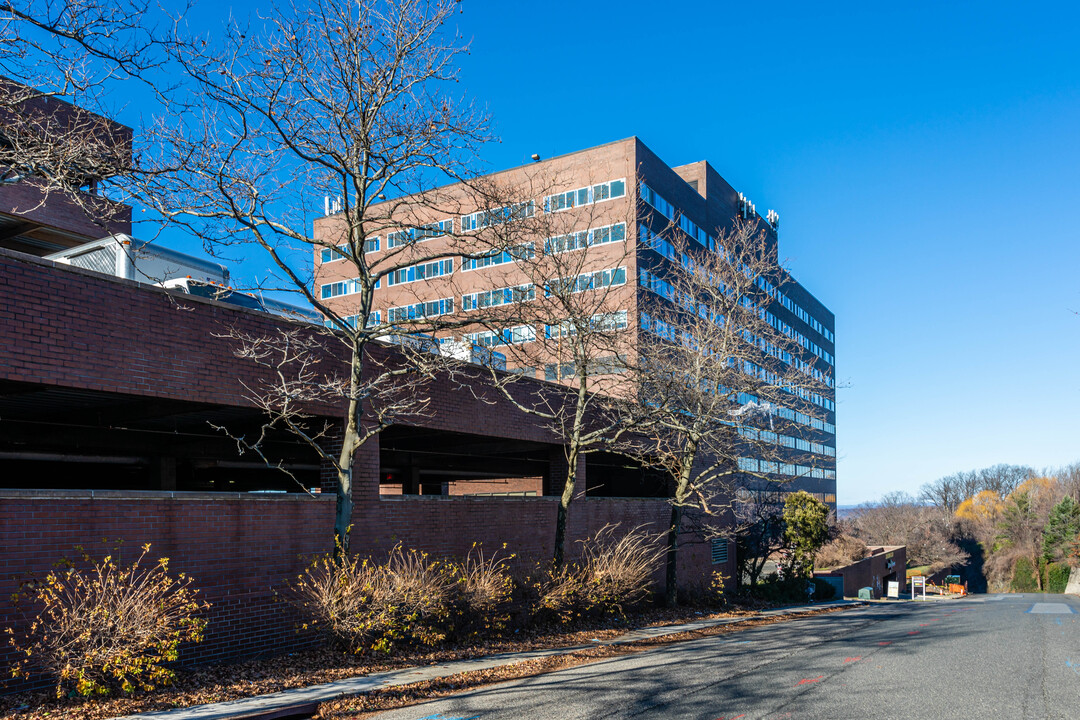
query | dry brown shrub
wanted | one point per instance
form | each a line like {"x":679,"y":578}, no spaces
{"x":844,"y":550}
{"x":482,"y":593}
{"x":375,"y":606}
{"x":612,"y":574}
{"x":104,"y":625}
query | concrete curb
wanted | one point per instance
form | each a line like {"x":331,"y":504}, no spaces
{"x":366,"y":683}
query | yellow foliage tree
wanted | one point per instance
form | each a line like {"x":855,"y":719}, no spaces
{"x":983,"y":507}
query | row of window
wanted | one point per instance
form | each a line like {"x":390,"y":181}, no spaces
{"x":339,"y":288}
{"x":416,"y":311}
{"x":656,"y":284}
{"x":604,"y":322}
{"x":798,"y":337}
{"x":777,"y":497}
{"x":490,"y":218}
{"x":650,"y":281}
{"x":795,"y":308}
{"x":662,"y":329}
{"x":495,"y":298}
{"x":608,"y":365}
{"x":787,"y":441}
{"x":419,"y":234}
{"x":668,"y":210}
{"x":792,"y":415}
{"x":585,"y":196}
{"x":665,"y":248}
{"x":374,"y":318}
{"x":507,"y":336}
{"x":585,"y":238}
{"x":341,"y":252}
{"x":768,"y":376}
{"x":768,"y":467}
{"x":421,"y":271}
{"x":669,"y":332}
{"x":588,"y":281}
{"x":518,"y":252}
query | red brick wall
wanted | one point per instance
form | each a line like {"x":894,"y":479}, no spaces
{"x":236,"y":547}
{"x":76,"y":329}
{"x":56,"y":209}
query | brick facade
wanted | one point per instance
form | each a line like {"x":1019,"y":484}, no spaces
{"x":67,"y":329}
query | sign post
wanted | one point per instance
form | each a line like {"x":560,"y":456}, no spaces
{"x":918,"y":582}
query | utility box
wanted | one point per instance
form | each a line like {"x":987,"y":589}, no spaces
{"x":866,"y":593}
{"x":125,"y":257}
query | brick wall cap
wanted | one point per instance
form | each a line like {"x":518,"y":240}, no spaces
{"x":46,"y":494}
{"x":465,"y":498}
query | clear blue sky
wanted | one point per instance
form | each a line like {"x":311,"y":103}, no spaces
{"x":924,"y":160}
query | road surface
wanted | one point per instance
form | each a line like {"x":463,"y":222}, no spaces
{"x":989,"y":656}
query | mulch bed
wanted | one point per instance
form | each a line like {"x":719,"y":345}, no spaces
{"x":218,"y":683}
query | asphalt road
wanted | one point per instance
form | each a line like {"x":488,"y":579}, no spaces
{"x":990,"y":656}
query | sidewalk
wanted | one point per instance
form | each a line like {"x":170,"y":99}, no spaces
{"x":314,"y":694}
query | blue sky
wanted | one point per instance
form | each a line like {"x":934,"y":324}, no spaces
{"x":924,"y":161}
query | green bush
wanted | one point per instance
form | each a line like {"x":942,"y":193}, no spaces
{"x":101,"y":626}
{"x":1057,"y":577}
{"x":788,"y":590}
{"x":823,"y":590}
{"x":1023,"y":579}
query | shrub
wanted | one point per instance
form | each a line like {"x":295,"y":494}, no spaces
{"x":842,"y":551}
{"x":370,"y":606}
{"x":482,"y":594}
{"x":1057,"y":577}
{"x":823,"y":590}
{"x":775,"y":589}
{"x":1023,"y":579}
{"x":618,"y":573}
{"x":104,"y":625}
{"x":611,"y":575}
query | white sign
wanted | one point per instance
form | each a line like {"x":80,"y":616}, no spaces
{"x":918,"y":582}
{"x":894,"y":589}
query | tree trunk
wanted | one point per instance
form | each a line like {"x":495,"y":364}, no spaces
{"x":671,"y":584}
{"x":564,"y":508}
{"x":682,"y":492}
{"x":343,"y":514}
{"x":351,"y":437}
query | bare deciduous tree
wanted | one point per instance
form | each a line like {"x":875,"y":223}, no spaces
{"x":949,"y":491}
{"x":717,"y":376}
{"x":568,"y":322}
{"x":57,"y":141}
{"x":342,"y":104}
{"x":758,"y":530}
{"x":899,"y":519}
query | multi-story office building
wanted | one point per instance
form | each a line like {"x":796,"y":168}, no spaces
{"x":616,"y":203}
